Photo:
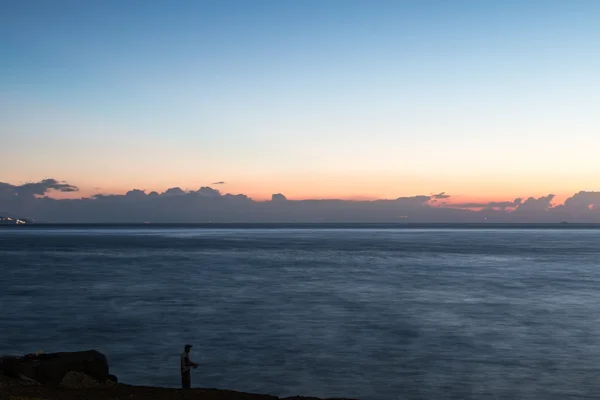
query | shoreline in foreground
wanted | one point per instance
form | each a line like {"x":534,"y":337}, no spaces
{"x":122,"y":391}
{"x":84,"y":375}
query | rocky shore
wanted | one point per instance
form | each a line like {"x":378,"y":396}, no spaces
{"x":85,"y":375}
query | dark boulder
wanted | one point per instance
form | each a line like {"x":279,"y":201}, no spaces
{"x":9,"y":365}
{"x":51,"y":368}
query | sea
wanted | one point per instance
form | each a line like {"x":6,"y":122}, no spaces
{"x":373,"y":312}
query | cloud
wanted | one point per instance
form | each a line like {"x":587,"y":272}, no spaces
{"x":207,"y":204}
{"x":219,"y":183}
{"x":502,"y":205}
{"x":278,"y":197}
{"x":582,"y":202}
{"x":43,"y":187}
{"x":174,"y":191}
{"x":413,"y":200}
{"x":32,"y":189}
{"x":467,"y":205}
{"x":532,"y":204}
{"x":135,"y":194}
{"x":207,"y":192}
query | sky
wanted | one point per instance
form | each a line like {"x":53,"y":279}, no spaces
{"x":356,"y":100}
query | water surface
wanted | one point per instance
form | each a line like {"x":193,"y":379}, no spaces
{"x":373,"y":313}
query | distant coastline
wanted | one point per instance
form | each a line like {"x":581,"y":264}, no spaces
{"x":306,"y":225}
{"x":10,"y":221}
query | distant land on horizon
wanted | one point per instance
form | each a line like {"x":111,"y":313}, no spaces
{"x":305,"y":225}
{"x":7,"y":220}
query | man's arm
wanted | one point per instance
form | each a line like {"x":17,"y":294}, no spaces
{"x":190,"y":363}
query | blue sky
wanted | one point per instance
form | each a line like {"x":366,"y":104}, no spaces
{"x":312,"y":98}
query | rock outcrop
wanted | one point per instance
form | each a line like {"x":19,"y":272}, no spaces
{"x":79,"y":380}
{"x":51,"y":368}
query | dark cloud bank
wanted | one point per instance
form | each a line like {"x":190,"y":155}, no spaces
{"x":207,"y":204}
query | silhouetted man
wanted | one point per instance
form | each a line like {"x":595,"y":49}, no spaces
{"x":186,"y":366}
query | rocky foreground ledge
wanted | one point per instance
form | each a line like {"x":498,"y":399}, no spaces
{"x":84,"y":375}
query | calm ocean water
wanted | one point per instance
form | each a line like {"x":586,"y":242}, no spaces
{"x":366,"y":313}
